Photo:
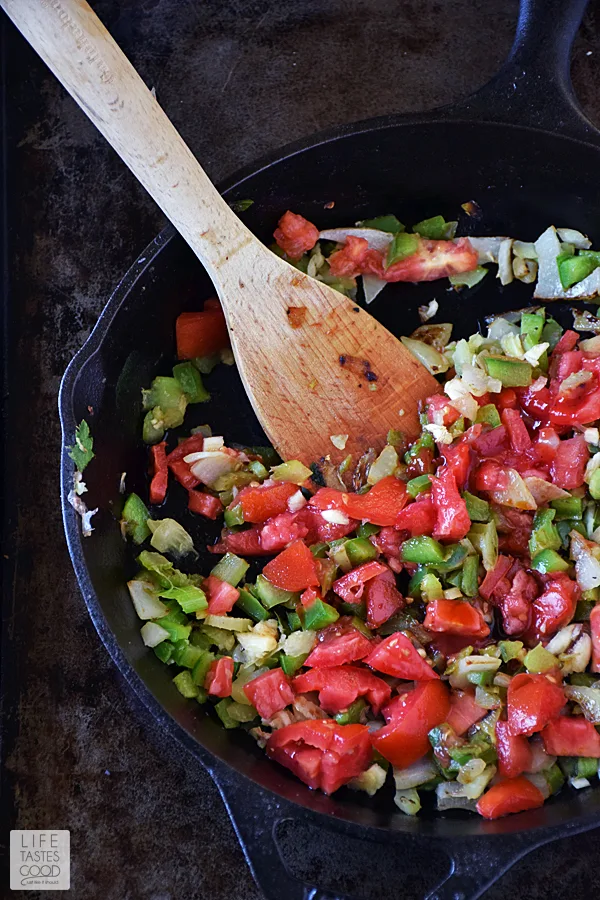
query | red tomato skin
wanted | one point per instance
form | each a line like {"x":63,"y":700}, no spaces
{"x":160,"y":473}
{"x":464,"y":712}
{"x":183,"y":474}
{"x":554,"y":608}
{"x":433,"y":260}
{"x":512,"y":795}
{"x":338,"y":645}
{"x":270,"y":692}
{"x":193,"y":444}
{"x":418,"y":517}
{"x":455,"y":617}
{"x":569,"y":464}
{"x":219,"y":677}
{"x":514,"y":752}
{"x":380,"y":505}
{"x":383,"y":599}
{"x":571,"y":736}
{"x":204,"y":504}
{"x":294,"y":569}
{"x":396,"y":656}
{"x":494,"y":576}
{"x":244,"y":543}
{"x":339,"y":686}
{"x":322,"y":753}
{"x":410,"y":717}
{"x":452,"y":521}
{"x":350,"y":587}
{"x":295,"y":234}
{"x":532,"y":702}
{"x":520,"y":440}
{"x":201,"y":333}
{"x":260,"y":504}
{"x":458,"y":460}
{"x":221,"y":596}
{"x":595,"y":633}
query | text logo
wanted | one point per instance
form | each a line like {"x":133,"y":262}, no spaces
{"x":40,"y":860}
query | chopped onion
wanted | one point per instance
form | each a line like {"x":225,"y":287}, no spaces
{"x":229,"y":623}
{"x":440,"y":433}
{"x":419,"y":773}
{"x":207,"y":468}
{"x":153,"y":634}
{"x":451,"y":795}
{"x":549,"y":286}
{"x":588,"y":698}
{"x":436,"y":335}
{"x":213,"y":443}
{"x":524,"y":250}
{"x":385,"y":464}
{"x":587,"y":566}
{"x":298,"y":643}
{"x":571,"y":236}
{"x":535,"y":353}
{"x":339,"y":440}
{"x":376,"y":239}
{"x":540,"y":782}
{"x":517,"y":495}
{"x":168,"y":536}
{"x":487,"y":248}
{"x":146,"y":603}
{"x":371,"y":780}
{"x":592,"y":436}
{"x":470,"y":664}
{"x":428,"y":312}
{"x":500,"y":327}
{"x":575,"y":380}
{"x":540,"y":760}
{"x":335,"y":517}
{"x":579,"y":783}
{"x":591,"y":346}
{"x":505,"y":272}
{"x":543,"y":491}
{"x":583,"y":320}
{"x":562,"y":639}
{"x":432,"y":359}
{"x":372,"y":287}
{"x":408,"y":801}
{"x":296,"y":501}
{"x":577,"y":658}
{"x":525,"y":269}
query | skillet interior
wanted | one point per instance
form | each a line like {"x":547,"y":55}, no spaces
{"x":522,"y":179}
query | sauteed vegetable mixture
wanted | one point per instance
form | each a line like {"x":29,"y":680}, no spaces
{"x":430,"y":612}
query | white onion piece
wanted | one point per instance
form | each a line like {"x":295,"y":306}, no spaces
{"x":335,"y":517}
{"x":419,"y":773}
{"x":208,"y":468}
{"x":548,"y":285}
{"x":376,"y":239}
{"x":500,"y":327}
{"x":517,"y":495}
{"x":213,"y":443}
{"x":540,"y":760}
{"x":540,"y":782}
{"x":587,"y":567}
{"x":524,"y":250}
{"x":542,"y":491}
{"x":296,"y":501}
{"x":571,"y":236}
{"x":146,"y":603}
{"x":487,"y":248}
{"x":372,"y":287}
{"x":505,"y":270}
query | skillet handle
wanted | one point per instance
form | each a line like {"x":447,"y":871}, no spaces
{"x":534,"y":85}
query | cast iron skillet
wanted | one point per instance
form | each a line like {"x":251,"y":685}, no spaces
{"x":524,"y":151}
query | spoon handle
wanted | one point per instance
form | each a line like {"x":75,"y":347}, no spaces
{"x":79,"y":50}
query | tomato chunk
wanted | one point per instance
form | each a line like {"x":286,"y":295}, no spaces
{"x":295,"y":234}
{"x":322,"y":753}
{"x":418,"y":517}
{"x":517,"y":432}
{"x":452,"y":519}
{"x":338,"y":644}
{"x":201,"y":333}
{"x":512,"y":795}
{"x":514,"y":752}
{"x":554,"y":608}
{"x":410,"y":717}
{"x":219,"y":677}
{"x":455,"y":617}
{"x":270,"y":692}
{"x":571,"y":736}
{"x":339,"y":686}
{"x":569,"y":464}
{"x":160,"y":473}
{"x":395,"y":655}
{"x":204,"y":504}
{"x":356,"y":258}
{"x":434,"y":259}
{"x":464,"y":712}
{"x":532,"y":702}
{"x":595,"y":633}
{"x":380,"y":505}
{"x":294,"y":569}
{"x":260,"y":504}
{"x":350,"y":587}
{"x":383,"y":598}
{"x":221,"y":595}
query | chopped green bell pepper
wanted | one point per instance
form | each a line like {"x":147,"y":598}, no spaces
{"x":484,"y":538}
{"x":166,"y":394}
{"x":434,"y":229}
{"x":384,"y":223}
{"x":135,"y":519}
{"x":418,"y":485}
{"x":366,"y":529}
{"x":249,"y":604}
{"x":190,"y":381}
{"x":319,"y":614}
{"x":549,"y":561}
{"x":510,"y":650}
{"x":578,"y":766}
{"x":470,"y":576}
{"x":184,"y":684}
{"x":567,"y":508}
{"x":423,"y":550}
{"x":511,"y":372}
{"x":554,"y":778}
{"x":164,"y":651}
{"x":230,"y":569}
{"x":234,"y":516}
{"x":532,"y":326}
{"x":573,"y":269}
{"x":291,"y":664}
{"x":222,"y":710}
{"x":270,"y":595}
{"x":594,"y":485}
{"x":431,"y":588}
{"x":201,"y":667}
{"x":351,"y":715}
{"x":401,"y":246}
{"x":544,"y":535}
{"x":479,"y":510}
{"x":424,"y":442}
{"x":488,"y":415}
{"x":360,"y":550}
{"x":539,"y":660}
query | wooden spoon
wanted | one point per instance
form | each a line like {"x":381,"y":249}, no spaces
{"x":314,"y":364}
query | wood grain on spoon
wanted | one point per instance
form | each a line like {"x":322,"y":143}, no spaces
{"x":313,"y":363}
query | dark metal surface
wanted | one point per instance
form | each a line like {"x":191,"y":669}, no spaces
{"x":151,"y":827}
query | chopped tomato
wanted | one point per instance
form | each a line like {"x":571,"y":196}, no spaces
{"x":183,"y":473}
{"x":546,"y":445}
{"x":295,"y":234}
{"x":294,"y":569}
{"x":452,"y":520}
{"x":491,"y":443}
{"x":517,"y":432}
{"x":567,"y":341}
{"x":192,"y":444}
{"x":569,"y":464}
{"x":201,"y":333}
{"x":245,"y":543}
{"x":571,"y":736}
{"x":339,"y":686}
{"x":506,"y":399}
{"x":350,"y":587}
{"x":595,"y":633}
{"x":455,"y":617}
{"x":160,"y":473}
{"x":495,"y":576}
{"x":464,"y":712}
{"x":261,"y":503}
{"x":338,"y":644}
{"x":555,"y":607}
{"x":536,"y":403}
{"x":356,"y":258}
{"x":204,"y":504}
{"x":458,"y":460}
{"x":516,"y":604}
{"x":322,"y":753}
{"x":434,"y":259}
{"x":383,"y":598}
{"x":410,"y":717}
{"x":221,"y":596}
{"x":418,"y":517}
{"x":512,"y":795}
{"x":219,"y":677}
{"x":514,"y":752}
{"x":491,"y":476}
{"x":270,"y":692}
{"x":396,"y":656}
{"x":440,"y":410}
{"x":581,"y":406}
{"x":380,"y":505}
{"x":281,"y":531}
{"x":532,"y":702}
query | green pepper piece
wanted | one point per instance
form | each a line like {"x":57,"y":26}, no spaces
{"x":294,"y":621}
{"x":291,"y":664}
{"x":424,"y":442}
{"x":484,"y":538}
{"x":186,"y":654}
{"x":431,"y":588}
{"x":164,"y":651}
{"x":423,"y":550}
{"x":552,"y":332}
{"x":153,"y":429}
{"x":184,"y":684}
{"x":258,"y":470}
{"x":190,"y":381}
{"x":565,"y":528}
{"x":532,"y":325}
{"x":454,"y":557}
{"x":578,"y":766}
{"x":166,"y":394}
{"x":581,"y":679}
{"x":488,"y":415}
{"x":360,"y":550}
{"x":511,"y":372}
{"x":549,"y":561}
{"x":554,"y":778}
{"x":594,"y":485}
{"x":468,"y":279}
{"x":201,"y":667}
{"x":366,"y":529}
{"x":479,"y":510}
{"x":384,"y":223}
{"x":414,"y":585}
{"x":510,"y":649}
{"x":135,"y":519}
{"x":230,"y":568}
{"x":396,"y":439}
{"x":418,"y":485}
{"x":583,"y":610}
{"x":482,"y":679}
{"x":351,"y":715}
{"x":470,"y":576}
{"x":567,"y":508}
{"x":401,"y":246}
{"x":234,"y":516}
{"x":544,"y":535}
{"x":573,"y":269}
{"x":434,"y":229}
{"x":319,"y":614}
{"x":319,"y":551}
{"x":248,"y":603}
{"x":539,"y":660}
{"x":270,"y":595}
{"x":221,"y":709}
